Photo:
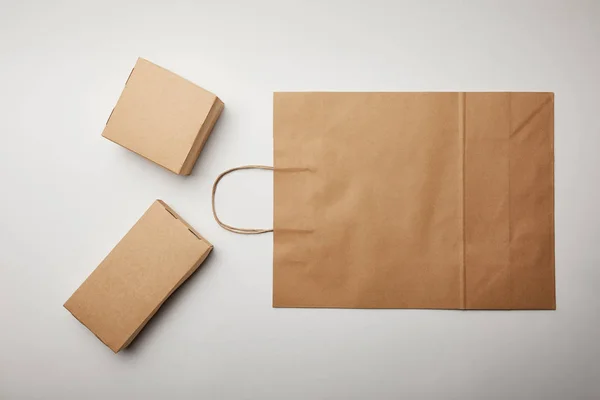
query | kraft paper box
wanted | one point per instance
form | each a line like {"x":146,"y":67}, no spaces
{"x":163,"y":117}
{"x":153,"y":259}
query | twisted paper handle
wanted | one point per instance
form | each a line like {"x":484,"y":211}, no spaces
{"x":223,"y":225}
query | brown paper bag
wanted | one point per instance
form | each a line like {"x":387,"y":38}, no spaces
{"x":414,"y":200}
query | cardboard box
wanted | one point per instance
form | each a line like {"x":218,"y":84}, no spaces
{"x":156,"y":256}
{"x":163,"y":117}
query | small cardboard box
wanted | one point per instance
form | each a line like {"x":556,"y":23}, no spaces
{"x":163,"y":117}
{"x":156,"y":256}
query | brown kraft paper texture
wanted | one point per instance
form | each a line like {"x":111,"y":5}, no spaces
{"x":414,"y":200}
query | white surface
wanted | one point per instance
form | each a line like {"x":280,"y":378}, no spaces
{"x":69,"y":195}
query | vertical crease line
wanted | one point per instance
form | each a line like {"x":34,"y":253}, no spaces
{"x":510,"y":282}
{"x":462,"y":101}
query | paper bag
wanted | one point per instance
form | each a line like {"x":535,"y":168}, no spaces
{"x":414,"y":200}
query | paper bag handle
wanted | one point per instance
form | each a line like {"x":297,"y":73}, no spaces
{"x":245,"y":231}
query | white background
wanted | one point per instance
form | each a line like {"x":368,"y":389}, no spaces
{"x":68,"y":196}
